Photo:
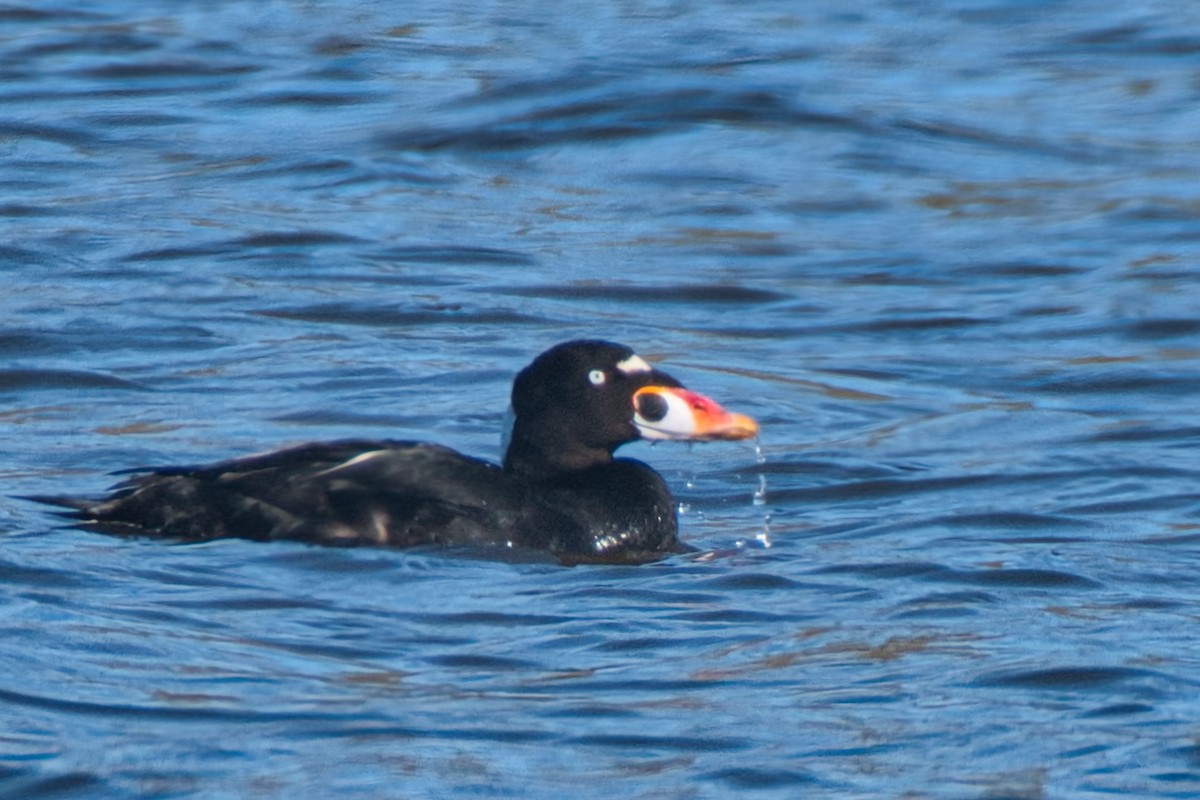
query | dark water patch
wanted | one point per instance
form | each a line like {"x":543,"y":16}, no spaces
{"x":860,"y":700}
{"x":476,"y":662}
{"x":643,"y":687}
{"x":1135,"y":39}
{"x":1192,"y":778}
{"x":1027,"y":269}
{"x":1137,"y":505}
{"x":888,"y":570}
{"x":751,"y":581}
{"x":1009,"y":520}
{"x":1122,"y":381}
{"x":311,"y":238}
{"x":1183,"y":539}
{"x":27,"y":13}
{"x":1118,"y":710}
{"x":1049,"y":311}
{"x":339,"y":45}
{"x":389,"y":317}
{"x":337,"y":417}
{"x":21,"y":380}
{"x":372,"y":378}
{"x":1190,"y":752}
{"x":878,"y":489}
{"x":20,"y":210}
{"x":332,"y":561}
{"x":453,"y":255}
{"x":309,"y":99}
{"x":749,"y":779}
{"x":1164,"y":210}
{"x":1141,"y":432}
{"x":532,"y":88}
{"x":643,"y":598}
{"x":968,"y":598}
{"x":932,"y":322}
{"x":92,"y":42}
{"x":56,"y":134}
{"x":114,"y":710}
{"x":87,"y":337}
{"x":373,"y":729}
{"x":1076,"y":151}
{"x":248,"y":603}
{"x":1163,"y":328}
{"x":294,"y":169}
{"x":492,"y":619}
{"x":828,"y":469}
{"x":1041,"y":540}
{"x":1017,"y":578}
{"x":935,"y":612}
{"x":181,"y":252}
{"x":639,"y":644}
{"x":24,"y":784}
{"x":592,"y":711}
{"x":1150,"y":604}
{"x":41,"y":577}
{"x":30,"y":343}
{"x":643,"y":744}
{"x":922,"y":571}
{"x":1070,"y":678}
{"x":398,"y":281}
{"x":940,"y":605}
{"x":712,"y":210}
{"x":929,"y":327}
{"x":684,"y":294}
{"x":619,"y":116}
{"x":140,"y":119}
{"x":835,"y":206}
{"x":166,"y":70}
{"x":1081,"y":752}
{"x":735,"y":616}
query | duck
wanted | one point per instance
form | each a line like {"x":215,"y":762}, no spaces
{"x":559,"y":487}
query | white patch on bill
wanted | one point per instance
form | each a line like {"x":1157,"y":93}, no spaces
{"x":633,"y":364}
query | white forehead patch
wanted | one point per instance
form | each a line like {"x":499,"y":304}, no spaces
{"x":633,"y":364}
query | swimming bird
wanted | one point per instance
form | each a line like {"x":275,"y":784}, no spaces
{"x":558,"y":489}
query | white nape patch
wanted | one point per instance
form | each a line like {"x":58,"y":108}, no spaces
{"x":633,"y":364}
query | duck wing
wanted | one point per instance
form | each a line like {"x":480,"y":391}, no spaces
{"x":343,"y":492}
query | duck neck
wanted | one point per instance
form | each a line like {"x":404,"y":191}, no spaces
{"x":532,"y":453}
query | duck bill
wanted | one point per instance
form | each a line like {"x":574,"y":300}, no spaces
{"x":672,"y":412}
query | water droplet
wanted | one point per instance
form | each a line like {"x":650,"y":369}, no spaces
{"x":760,"y":494}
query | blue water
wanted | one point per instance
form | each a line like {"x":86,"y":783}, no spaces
{"x":946,"y":253}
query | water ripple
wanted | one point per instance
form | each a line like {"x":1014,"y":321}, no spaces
{"x":946,"y":256}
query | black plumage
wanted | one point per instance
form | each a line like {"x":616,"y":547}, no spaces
{"x":560,"y":488}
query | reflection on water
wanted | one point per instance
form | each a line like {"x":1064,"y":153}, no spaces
{"x":946,"y":256}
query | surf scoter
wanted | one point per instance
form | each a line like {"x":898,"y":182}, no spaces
{"x":560,"y":488}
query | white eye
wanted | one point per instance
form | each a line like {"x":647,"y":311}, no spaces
{"x":597,"y":377}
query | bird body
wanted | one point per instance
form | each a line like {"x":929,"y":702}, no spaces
{"x":560,"y":488}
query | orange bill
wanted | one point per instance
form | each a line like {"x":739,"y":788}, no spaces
{"x":672,"y":412}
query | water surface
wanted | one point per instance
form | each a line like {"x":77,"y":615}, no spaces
{"x":946,"y":255}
